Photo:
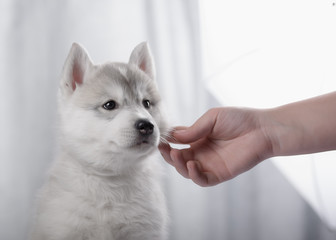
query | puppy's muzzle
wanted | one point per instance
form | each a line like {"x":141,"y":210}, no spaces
{"x":144,"y":127}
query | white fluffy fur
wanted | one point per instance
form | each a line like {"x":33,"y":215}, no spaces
{"x":104,"y":183}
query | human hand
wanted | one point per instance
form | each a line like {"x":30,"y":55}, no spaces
{"x":224,"y":142}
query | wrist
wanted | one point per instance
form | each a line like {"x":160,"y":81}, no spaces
{"x":283,"y":132}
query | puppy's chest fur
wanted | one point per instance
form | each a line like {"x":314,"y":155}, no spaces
{"x":85,"y":206}
{"x":111,"y":204}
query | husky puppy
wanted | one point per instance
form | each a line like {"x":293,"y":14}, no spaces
{"x":104,"y":183}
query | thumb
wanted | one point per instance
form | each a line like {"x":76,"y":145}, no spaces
{"x":201,"y":128}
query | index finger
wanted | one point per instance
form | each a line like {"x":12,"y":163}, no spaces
{"x":201,"y":128}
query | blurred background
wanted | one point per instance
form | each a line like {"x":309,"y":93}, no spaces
{"x":252,"y":53}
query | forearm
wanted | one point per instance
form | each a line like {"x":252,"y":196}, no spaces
{"x":303,"y":127}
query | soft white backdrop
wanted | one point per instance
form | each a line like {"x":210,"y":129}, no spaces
{"x":256,"y":57}
{"x":35,"y":38}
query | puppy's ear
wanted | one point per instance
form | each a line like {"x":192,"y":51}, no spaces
{"x":74,"y":70}
{"x":141,"y":56}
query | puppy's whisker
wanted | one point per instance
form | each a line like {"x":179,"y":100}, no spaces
{"x":163,"y":140}
{"x":167,"y":137}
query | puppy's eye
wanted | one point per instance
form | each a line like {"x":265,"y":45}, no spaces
{"x":146,"y":103}
{"x":110,"y":105}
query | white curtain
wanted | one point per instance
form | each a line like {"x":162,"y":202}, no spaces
{"x":35,"y":38}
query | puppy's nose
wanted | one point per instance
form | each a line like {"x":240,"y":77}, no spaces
{"x":144,"y":126}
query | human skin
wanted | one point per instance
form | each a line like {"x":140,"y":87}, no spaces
{"x":228,"y":141}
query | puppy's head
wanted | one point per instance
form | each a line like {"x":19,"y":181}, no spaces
{"x":110,"y":113}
